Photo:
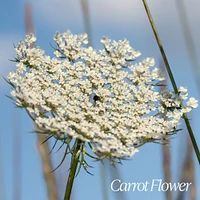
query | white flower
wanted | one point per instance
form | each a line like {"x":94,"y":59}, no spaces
{"x":100,"y":97}
{"x":193,"y":103}
{"x":30,"y":39}
{"x":182,"y":89}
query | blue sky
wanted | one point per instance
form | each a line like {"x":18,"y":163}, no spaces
{"x":116,"y":19}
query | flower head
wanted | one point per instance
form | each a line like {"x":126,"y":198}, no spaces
{"x":101,"y":97}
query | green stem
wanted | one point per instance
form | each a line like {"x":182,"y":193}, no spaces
{"x":74,"y":163}
{"x":171,"y":78}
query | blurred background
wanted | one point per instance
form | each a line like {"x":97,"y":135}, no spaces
{"x":25,"y":163}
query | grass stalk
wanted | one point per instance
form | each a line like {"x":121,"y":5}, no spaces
{"x":88,"y":29}
{"x":185,"y":117}
{"x":187,"y":173}
{"x":189,"y":41}
{"x":104,"y":175}
{"x":47,"y":167}
{"x":115,"y":173}
{"x":87,"y":19}
{"x":165,"y":151}
{"x":43,"y":147}
{"x":73,"y":168}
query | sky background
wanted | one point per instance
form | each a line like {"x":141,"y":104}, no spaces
{"x":116,"y":19}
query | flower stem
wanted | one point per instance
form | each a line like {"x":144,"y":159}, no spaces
{"x":171,"y":77}
{"x":74,"y":163}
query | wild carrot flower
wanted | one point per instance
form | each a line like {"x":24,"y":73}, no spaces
{"x":104,"y":98}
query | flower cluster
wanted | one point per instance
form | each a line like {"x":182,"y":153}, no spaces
{"x":101,"y":97}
